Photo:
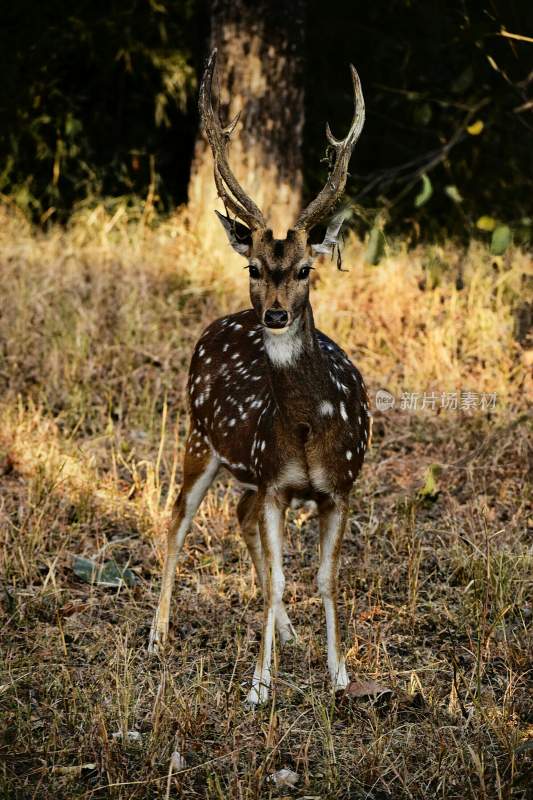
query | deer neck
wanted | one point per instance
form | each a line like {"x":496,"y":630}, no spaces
{"x":297,"y":369}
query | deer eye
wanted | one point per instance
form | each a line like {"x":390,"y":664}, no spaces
{"x":303,"y":273}
{"x":254,"y":272}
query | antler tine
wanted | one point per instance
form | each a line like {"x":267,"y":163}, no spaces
{"x":323,"y":203}
{"x":238,"y":201}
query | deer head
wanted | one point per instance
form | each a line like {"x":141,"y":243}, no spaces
{"x":279,"y":268}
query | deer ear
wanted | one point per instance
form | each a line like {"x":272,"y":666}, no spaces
{"x":332,"y":233}
{"x":239,"y":236}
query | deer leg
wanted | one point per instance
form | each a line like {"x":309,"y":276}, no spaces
{"x":247,"y":513}
{"x":199,"y":470}
{"x":271,"y":520}
{"x":333,"y":517}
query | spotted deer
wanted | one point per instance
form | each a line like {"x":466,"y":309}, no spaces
{"x":274,"y":401}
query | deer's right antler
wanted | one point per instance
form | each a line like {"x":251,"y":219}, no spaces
{"x":229,"y":190}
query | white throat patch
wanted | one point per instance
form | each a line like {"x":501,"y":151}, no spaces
{"x":283,"y":348}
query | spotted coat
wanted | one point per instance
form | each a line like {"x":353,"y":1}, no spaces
{"x":302,"y":430}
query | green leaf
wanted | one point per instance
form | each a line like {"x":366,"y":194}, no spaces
{"x":430,"y":489}
{"x":110,"y":574}
{"x":454,"y":194}
{"x":425,"y":192}
{"x":376,"y":246}
{"x":501,"y":239}
{"x":85,"y":569}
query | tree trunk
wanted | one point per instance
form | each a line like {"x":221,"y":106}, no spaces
{"x":260,"y":74}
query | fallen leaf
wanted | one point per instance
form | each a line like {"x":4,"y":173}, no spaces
{"x":72,"y":608}
{"x":410,"y":702}
{"x":375,"y":611}
{"x":110,"y":574}
{"x":74,"y":770}
{"x":284,"y":777}
{"x":365,"y":689}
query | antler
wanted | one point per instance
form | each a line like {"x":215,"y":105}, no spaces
{"x":323,"y":203}
{"x":238,"y":201}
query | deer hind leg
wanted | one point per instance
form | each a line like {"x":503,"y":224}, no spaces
{"x":333,"y":517}
{"x":199,"y":470}
{"x":247,"y":513}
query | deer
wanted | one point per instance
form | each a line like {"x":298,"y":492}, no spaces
{"x":273,"y":400}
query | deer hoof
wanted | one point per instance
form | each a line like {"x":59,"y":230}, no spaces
{"x":287,"y":635}
{"x":341,"y":679}
{"x":158,"y":636}
{"x":257,"y":696}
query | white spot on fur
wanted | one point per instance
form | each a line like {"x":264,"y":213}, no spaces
{"x":349,"y":455}
{"x":344,"y":415}
{"x":326,"y":408}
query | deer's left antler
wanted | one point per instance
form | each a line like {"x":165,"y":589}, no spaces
{"x":324,"y":202}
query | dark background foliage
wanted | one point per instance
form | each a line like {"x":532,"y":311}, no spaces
{"x":99,"y":99}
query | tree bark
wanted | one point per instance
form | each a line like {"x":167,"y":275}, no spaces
{"x":260,"y":74}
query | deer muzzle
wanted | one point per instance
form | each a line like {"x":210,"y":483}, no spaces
{"x":276,"y":318}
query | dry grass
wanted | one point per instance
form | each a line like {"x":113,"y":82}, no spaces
{"x":96,"y":328}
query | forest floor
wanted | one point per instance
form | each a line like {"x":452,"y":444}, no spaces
{"x":96,"y":328}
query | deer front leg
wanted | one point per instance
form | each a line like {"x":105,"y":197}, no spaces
{"x":333,"y":517}
{"x":271,"y":521}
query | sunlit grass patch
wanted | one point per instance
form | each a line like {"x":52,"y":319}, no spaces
{"x":96,"y":330}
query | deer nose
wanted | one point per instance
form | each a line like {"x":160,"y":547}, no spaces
{"x":275,"y":318}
